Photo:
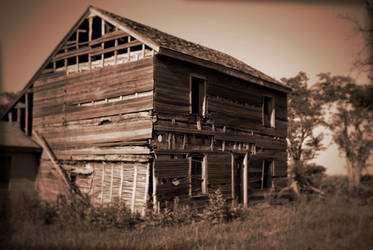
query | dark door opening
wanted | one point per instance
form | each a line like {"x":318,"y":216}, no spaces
{"x":238,"y":178}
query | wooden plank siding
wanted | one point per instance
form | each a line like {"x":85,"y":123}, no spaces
{"x":102,"y":118}
{"x":232,"y":124}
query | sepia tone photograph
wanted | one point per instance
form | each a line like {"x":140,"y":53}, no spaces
{"x":186,"y":124}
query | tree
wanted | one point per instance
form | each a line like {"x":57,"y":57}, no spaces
{"x":350,"y":122}
{"x":304,"y":115}
{"x":5,"y":99}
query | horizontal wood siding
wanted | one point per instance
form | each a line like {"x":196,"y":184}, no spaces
{"x":232,"y":124}
{"x":230,"y":101}
{"x":219,"y":173}
{"x":172,"y":177}
{"x":102,"y":114}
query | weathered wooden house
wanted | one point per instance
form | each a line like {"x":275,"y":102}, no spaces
{"x":134,"y":114}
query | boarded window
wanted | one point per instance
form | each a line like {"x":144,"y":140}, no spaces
{"x":197,"y":96}
{"x":268,"y":112}
{"x":196,"y":175}
{"x":267,"y":170}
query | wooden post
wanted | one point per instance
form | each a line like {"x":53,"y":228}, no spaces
{"x":27,"y":111}
{"x":155,"y":183}
{"x":134,"y":188}
{"x":232,"y":177}
{"x":146,"y":188}
{"x":121,"y":184}
{"x":245,"y":184}
{"x":111,"y":183}
{"x":102,"y":182}
{"x":19,"y":117}
{"x":10,"y":116}
{"x":89,"y":40}
{"x":204,"y":175}
{"x":190,"y":175}
{"x":102,"y":44}
{"x":262,"y":178}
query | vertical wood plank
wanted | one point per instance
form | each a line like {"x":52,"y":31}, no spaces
{"x":89,"y":40}
{"x":102,"y":183}
{"x":190,"y":175}
{"x":204,"y":175}
{"x":232,"y":176}
{"x":134,"y":188}
{"x":121,"y":184}
{"x":10,"y":116}
{"x":27,"y":114}
{"x":155,"y":183}
{"x":245,"y":184}
{"x":102,"y":44}
{"x":111,"y":183}
{"x":19,"y":117}
{"x":146,"y":188}
{"x":262,"y":178}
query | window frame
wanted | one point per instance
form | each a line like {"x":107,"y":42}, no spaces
{"x":204,"y":177}
{"x":272,"y":113}
{"x":204,"y":101}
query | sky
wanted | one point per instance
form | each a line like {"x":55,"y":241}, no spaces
{"x":279,"y":38}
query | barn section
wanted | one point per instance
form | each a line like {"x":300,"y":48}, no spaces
{"x":19,"y":163}
{"x":132,"y":113}
{"x":213,"y":131}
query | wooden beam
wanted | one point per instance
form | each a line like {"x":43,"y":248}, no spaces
{"x":102,"y":182}
{"x":120,"y":184}
{"x":19,"y":117}
{"x":111,"y":183}
{"x":155,"y":183}
{"x":146,"y":188}
{"x":90,"y":21}
{"x":204,"y":175}
{"x":43,"y":143}
{"x":27,"y":111}
{"x":245,"y":176}
{"x":102,"y":44}
{"x":133,"y":200}
{"x":10,"y":116}
{"x":232,"y":177}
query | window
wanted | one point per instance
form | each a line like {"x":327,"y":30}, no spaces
{"x":197,"y":95}
{"x":267,"y":170}
{"x":268,"y":112}
{"x":197,"y":176}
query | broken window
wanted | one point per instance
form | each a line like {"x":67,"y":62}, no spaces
{"x":197,"y":176}
{"x":268,"y":112}
{"x":267,"y":170}
{"x":197,"y":95}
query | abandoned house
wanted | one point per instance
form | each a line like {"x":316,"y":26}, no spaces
{"x":133,"y":115}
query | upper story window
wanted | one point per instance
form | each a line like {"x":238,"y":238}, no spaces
{"x":197,"y":95}
{"x":268,"y":112}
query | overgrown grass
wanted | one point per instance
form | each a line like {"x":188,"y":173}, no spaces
{"x":341,"y":221}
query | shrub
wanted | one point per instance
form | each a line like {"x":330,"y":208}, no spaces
{"x":217,"y":211}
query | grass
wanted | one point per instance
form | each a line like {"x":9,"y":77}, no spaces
{"x":342,"y":221}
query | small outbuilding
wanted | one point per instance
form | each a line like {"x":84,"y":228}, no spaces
{"x":19,"y":162}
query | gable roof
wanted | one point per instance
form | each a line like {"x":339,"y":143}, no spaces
{"x":170,"y":42}
{"x":171,"y":46}
{"x":12,"y":138}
